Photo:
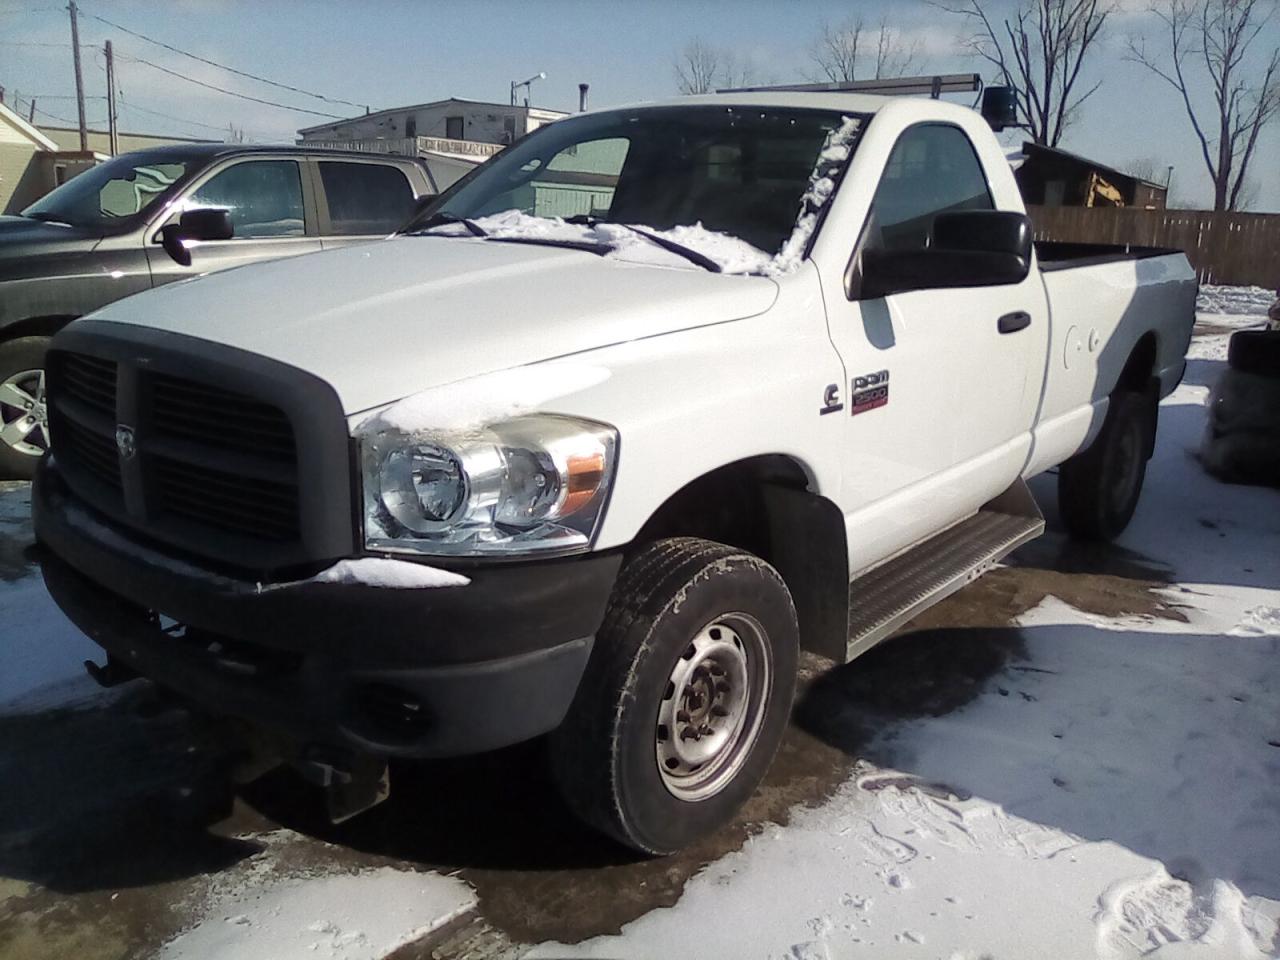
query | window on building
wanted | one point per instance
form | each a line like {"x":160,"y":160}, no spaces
{"x":411,"y":126}
{"x":365,"y":198}
{"x":264,"y":198}
{"x":453,"y":128}
{"x":933,"y":169}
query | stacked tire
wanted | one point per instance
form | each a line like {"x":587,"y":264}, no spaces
{"x":1242,"y":439}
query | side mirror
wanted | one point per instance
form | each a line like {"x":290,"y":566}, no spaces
{"x":205,"y":224}
{"x":974,"y":248}
{"x":420,"y":207}
{"x":1000,"y":107}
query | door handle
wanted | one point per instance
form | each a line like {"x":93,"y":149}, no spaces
{"x":1013,"y":322}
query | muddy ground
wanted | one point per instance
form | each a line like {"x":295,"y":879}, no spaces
{"x":118,"y":820}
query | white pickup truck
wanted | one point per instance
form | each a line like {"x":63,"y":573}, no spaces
{"x":652,"y":401}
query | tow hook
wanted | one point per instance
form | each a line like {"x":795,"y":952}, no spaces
{"x":112,"y":674}
{"x":351,"y":784}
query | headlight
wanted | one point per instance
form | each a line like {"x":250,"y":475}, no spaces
{"x":530,"y":484}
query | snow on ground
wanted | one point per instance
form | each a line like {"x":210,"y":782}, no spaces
{"x":1115,"y":794}
{"x":359,"y":916}
{"x":1235,"y":301}
{"x":42,"y":653}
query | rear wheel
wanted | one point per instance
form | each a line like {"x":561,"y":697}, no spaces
{"x":1098,"y":489}
{"x":685,"y":699}
{"x":24,"y":421}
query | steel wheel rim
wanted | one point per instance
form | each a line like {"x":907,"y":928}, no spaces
{"x":24,"y":418}
{"x":712,"y":706}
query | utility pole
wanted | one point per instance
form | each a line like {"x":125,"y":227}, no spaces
{"x":112,"y":133}
{"x":75,"y":56}
{"x":31,"y":114}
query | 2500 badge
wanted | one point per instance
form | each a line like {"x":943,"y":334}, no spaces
{"x":869,"y":392}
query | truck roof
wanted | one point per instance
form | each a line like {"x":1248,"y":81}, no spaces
{"x":209,"y":151}
{"x":915,"y":107}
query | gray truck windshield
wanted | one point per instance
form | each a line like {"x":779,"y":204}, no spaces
{"x":111,"y":192}
{"x":742,"y":171}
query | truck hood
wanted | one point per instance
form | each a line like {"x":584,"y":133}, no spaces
{"x":384,"y":320}
{"x":22,"y":237}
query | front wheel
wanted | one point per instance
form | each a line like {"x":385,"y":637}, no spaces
{"x":685,"y":699}
{"x":1098,"y":489}
{"x":24,"y":422}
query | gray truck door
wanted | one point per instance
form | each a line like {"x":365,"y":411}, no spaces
{"x":271,"y":209}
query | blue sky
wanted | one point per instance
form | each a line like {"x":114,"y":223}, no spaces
{"x":388,"y":53}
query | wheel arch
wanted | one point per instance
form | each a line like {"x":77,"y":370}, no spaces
{"x":767,"y":505}
{"x":41,"y":326}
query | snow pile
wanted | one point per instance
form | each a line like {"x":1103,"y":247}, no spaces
{"x":396,"y":574}
{"x":822,"y":184}
{"x":1234,"y":301}
{"x":729,"y":253}
{"x":363,"y":916}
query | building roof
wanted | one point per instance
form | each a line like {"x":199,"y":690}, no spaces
{"x":425,"y":106}
{"x":1030,"y":150}
{"x":26,"y":129}
{"x":126,"y":133}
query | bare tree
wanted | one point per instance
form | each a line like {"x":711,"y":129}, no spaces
{"x":841,"y":52}
{"x":740,"y":70}
{"x":1213,"y":39}
{"x":1148,"y":169}
{"x":697,"y":67}
{"x":234,"y":134}
{"x":1039,"y":51}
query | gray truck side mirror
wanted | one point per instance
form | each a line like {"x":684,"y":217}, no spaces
{"x":203,"y":224}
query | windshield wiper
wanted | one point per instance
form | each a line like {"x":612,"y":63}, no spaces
{"x":590,"y":246}
{"x":440,"y":218}
{"x":679,"y":249}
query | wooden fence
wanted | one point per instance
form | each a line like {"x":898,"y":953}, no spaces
{"x":1229,"y":248}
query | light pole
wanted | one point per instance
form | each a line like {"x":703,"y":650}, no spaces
{"x":517,"y":84}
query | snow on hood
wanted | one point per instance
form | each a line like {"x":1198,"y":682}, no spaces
{"x":387,"y":319}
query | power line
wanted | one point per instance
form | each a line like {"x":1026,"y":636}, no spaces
{"x":195,"y":123}
{"x":223,"y":66}
{"x":230,"y":93}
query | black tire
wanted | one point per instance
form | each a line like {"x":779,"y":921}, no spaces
{"x":1098,"y":489}
{"x":18,"y":357}
{"x":605,"y":756}
{"x":1255,"y":351}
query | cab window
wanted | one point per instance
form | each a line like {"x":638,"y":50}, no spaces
{"x":933,"y":169}
{"x":264,"y":198}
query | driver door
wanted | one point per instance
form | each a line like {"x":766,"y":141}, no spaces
{"x":940,"y":402}
{"x":272,"y":215}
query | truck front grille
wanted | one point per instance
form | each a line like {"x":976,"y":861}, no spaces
{"x":204,"y":454}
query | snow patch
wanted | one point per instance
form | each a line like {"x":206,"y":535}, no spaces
{"x":363,"y":916}
{"x":1234,"y":301}
{"x":822,"y":184}
{"x":396,"y":574}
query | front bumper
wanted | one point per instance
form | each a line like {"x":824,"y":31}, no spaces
{"x":386,"y":671}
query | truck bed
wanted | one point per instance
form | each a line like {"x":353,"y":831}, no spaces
{"x":1062,"y":255}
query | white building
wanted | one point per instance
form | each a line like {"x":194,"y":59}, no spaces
{"x":451,"y":135}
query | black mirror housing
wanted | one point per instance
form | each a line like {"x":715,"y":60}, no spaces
{"x":971,"y":248}
{"x":202,"y":224}
{"x":1000,"y":107}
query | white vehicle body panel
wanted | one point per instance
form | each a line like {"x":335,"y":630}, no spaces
{"x":703,"y":370}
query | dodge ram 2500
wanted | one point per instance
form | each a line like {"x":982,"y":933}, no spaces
{"x":650,"y":402}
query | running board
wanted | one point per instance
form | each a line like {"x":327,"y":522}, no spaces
{"x":883,"y":599}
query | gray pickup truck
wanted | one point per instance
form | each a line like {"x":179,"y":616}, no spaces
{"x":125,"y":226}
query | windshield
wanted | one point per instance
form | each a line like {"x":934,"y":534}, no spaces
{"x":731,"y":172}
{"x":111,"y":192}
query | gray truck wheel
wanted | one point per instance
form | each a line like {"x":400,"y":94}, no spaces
{"x":24,"y":424}
{"x":685,"y":699}
{"x":1098,"y":489}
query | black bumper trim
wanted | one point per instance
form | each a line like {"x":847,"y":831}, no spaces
{"x":415,"y":673}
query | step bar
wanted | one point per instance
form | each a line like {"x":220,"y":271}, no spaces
{"x":886,"y":597}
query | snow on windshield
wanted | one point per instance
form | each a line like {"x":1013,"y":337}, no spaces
{"x":732,"y":254}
